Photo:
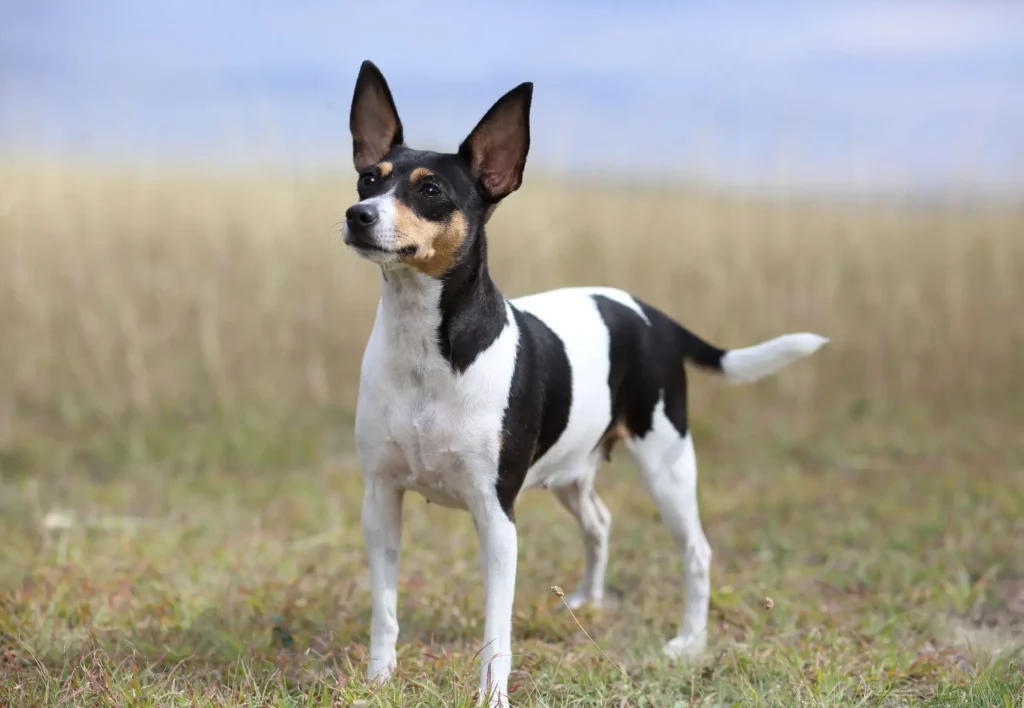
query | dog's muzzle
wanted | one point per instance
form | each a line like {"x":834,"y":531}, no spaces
{"x":359,"y":222}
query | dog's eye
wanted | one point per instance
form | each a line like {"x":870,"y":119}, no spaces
{"x":429,"y":189}
{"x":367,"y":179}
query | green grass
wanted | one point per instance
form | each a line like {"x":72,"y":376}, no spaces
{"x":894,"y":571}
{"x":179,"y":505}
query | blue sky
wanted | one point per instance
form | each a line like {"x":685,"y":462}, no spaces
{"x":914,"y":94}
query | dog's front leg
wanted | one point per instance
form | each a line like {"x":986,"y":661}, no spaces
{"x":382,"y":533}
{"x":498,"y":551}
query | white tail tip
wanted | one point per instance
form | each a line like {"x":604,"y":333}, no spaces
{"x":752,"y":363}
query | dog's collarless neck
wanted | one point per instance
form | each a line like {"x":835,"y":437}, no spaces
{"x":463,"y":312}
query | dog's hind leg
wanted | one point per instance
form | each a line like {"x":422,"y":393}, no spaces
{"x":595,"y":521}
{"x":669,"y":469}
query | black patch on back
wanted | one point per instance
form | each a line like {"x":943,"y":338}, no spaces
{"x":538,"y":405}
{"x":645,"y":363}
{"x":668,"y":351}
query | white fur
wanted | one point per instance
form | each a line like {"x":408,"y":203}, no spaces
{"x":573,"y":315}
{"x":595,"y":521}
{"x":385,"y":231}
{"x":421,"y":427}
{"x":551,"y":300}
{"x":669,"y":469}
{"x":752,"y":363}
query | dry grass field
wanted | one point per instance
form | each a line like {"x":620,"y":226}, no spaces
{"x":179,"y":503}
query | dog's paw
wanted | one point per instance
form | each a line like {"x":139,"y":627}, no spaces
{"x":495,"y":701}
{"x":686,"y":647}
{"x":380,"y":671}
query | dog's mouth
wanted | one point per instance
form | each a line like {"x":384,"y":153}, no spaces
{"x":374,"y":249}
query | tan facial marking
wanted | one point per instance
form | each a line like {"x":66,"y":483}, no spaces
{"x":436,"y":242}
{"x":385,"y":169}
{"x":420,"y":173}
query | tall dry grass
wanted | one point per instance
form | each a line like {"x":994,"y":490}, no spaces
{"x":179,"y":355}
{"x":124,"y":292}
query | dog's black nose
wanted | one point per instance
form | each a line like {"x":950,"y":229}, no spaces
{"x":360,"y":216}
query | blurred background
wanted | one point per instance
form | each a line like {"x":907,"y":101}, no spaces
{"x":181,"y":331}
{"x":866,"y":95}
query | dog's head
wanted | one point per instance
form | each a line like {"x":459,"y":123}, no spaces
{"x":423,"y":209}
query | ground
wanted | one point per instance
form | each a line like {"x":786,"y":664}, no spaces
{"x":179,"y":503}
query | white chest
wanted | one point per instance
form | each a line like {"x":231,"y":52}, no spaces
{"x":419,"y":425}
{"x":437,"y":444}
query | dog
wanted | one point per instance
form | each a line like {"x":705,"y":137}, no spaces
{"x":468,"y":398}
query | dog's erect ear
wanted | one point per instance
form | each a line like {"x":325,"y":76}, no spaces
{"x":373,"y":120}
{"x":496,"y":149}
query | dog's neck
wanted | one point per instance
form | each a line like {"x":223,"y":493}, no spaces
{"x":456,"y":317}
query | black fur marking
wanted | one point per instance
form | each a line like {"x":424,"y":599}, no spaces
{"x":493,"y":155}
{"x":670,"y":355}
{"x":472,"y":310}
{"x":646,"y":363}
{"x":538,"y":405}
{"x":635,"y":375}
{"x":695,"y":349}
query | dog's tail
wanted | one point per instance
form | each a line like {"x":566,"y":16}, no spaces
{"x":749,"y":363}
